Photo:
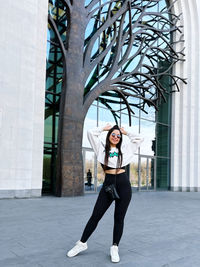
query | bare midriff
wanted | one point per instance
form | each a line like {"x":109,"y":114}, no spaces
{"x":113,"y":171}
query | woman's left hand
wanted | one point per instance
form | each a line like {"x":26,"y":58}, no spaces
{"x":123,"y":131}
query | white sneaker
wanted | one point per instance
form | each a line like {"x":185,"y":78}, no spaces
{"x":114,"y":253}
{"x":80,"y":246}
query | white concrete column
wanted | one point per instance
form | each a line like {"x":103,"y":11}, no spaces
{"x":23,"y":35}
{"x":185,"y":146}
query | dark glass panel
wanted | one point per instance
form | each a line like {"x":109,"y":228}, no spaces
{"x":162,"y":140}
{"x":162,"y":173}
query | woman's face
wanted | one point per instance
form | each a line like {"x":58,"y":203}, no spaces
{"x":114,"y":137}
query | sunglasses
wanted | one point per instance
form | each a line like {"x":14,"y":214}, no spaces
{"x":116,"y":135}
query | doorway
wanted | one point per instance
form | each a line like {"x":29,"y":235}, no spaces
{"x":146,"y":173}
{"x":97,"y":174}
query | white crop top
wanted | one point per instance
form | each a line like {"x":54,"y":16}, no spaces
{"x":130,"y":144}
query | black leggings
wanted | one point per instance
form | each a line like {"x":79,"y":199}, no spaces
{"x":103,"y":202}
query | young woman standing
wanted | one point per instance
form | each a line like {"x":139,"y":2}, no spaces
{"x":114,"y":151}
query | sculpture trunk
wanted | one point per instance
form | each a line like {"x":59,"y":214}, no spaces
{"x":70,"y":165}
{"x":70,"y":172}
{"x":71,"y":180}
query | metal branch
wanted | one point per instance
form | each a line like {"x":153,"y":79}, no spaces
{"x":91,"y":5}
{"x":150,"y":102}
{"x":102,"y":28}
{"x":118,"y":46}
{"x":168,"y":8}
{"x":67,"y":3}
{"x":111,"y":110}
{"x":55,"y":29}
{"x":126,"y":102}
{"x":90,"y":14}
{"x":98,"y":59}
{"x":137,"y":32}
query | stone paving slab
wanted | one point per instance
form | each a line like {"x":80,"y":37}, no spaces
{"x":162,"y":229}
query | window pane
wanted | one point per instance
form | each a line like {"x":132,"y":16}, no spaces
{"x":163,"y":114}
{"x":148,"y":132}
{"x":46,"y":188}
{"x":89,"y":165}
{"x":150,"y":115}
{"x":106,"y":116}
{"x":134,"y":173}
{"x":162,"y":140}
{"x":162,"y":173}
{"x":100,"y":176}
{"x":48,"y":129}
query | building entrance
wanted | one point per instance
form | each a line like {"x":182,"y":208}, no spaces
{"x":146,"y":173}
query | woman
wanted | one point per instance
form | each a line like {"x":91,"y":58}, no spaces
{"x":114,"y":153}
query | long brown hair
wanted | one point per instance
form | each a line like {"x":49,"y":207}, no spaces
{"x":118,"y":145}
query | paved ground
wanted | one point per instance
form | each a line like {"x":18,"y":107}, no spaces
{"x":161,"y":229}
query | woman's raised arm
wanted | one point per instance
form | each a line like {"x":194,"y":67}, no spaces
{"x":93,"y":136}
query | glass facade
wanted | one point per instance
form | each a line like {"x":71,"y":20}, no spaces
{"x":54,"y":73}
{"x":150,"y":169}
{"x":151,"y":166}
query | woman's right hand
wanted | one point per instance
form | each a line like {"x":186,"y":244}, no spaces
{"x":107,"y":127}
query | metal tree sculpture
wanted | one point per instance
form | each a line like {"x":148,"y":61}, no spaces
{"x":111,"y":45}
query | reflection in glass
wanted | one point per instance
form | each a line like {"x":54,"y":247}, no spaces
{"x":147,"y":130}
{"x":134,"y":174}
{"x":163,"y":114}
{"x":89,"y":165}
{"x":146,"y":173}
{"x":162,"y":173}
{"x":46,"y":174}
{"x":100,"y":176}
{"x":48,"y":130}
{"x":162,"y":140}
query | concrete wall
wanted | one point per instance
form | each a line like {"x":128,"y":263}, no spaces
{"x":185,"y":156}
{"x":22,"y":96}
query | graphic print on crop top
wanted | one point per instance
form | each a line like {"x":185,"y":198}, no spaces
{"x":113,"y":154}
